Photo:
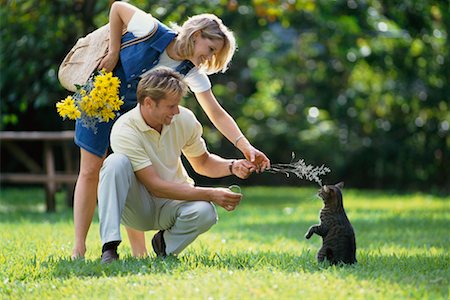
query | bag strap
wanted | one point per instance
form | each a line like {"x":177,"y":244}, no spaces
{"x":140,"y":39}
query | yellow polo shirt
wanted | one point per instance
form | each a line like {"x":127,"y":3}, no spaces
{"x":145,"y":146}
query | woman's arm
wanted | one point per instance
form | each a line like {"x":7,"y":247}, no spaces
{"x":119,"y":17}
{"x":228,"y":127}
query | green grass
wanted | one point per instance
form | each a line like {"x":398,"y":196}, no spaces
{"x":255,"y":252}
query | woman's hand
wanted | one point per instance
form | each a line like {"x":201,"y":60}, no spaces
{"x":109,"y":62}
{"x":119,"y":17}
{"x":258,"y":158}
{"x":253,"y":155}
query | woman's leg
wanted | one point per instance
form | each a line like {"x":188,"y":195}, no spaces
{"x":85,"y":199}
{"x":137,"y":242}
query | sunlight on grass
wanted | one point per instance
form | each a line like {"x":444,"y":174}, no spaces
{"x":258,"y":251}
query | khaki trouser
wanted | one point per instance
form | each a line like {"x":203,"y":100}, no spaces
{"x":123,"y":199}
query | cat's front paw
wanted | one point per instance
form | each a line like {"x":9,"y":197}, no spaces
{"x":308,"y":235}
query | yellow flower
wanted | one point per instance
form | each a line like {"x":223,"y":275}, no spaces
{"x":88,"y":106}
{"x":99,"y":82}
{"x":67,"y":109}
{"x":95,"y":101}
{"x":113,"y":84}
{"x":107,"y":114}
{"x":108,"y":76}
{"x":114,"y":102}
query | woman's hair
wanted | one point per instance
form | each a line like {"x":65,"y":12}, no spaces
{"x":159,"y":83}
{"x":211,"y":27}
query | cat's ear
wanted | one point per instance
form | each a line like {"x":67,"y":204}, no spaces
{"x":340,"y":185}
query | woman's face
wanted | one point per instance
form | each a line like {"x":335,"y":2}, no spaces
{"x":204,"y":49}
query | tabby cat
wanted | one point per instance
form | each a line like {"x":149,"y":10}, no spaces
{"x":338,"y":237}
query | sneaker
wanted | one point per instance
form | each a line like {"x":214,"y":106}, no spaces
{"x":109,"y":256}
{"x":158,"y":244}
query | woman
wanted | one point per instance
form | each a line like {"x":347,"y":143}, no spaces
{"x":205,"y":46}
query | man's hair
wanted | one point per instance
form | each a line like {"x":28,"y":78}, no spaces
{"x":160,"y":83}
{"x":211,"y":27}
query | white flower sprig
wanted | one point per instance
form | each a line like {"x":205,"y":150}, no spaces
{"x":301,"y":170}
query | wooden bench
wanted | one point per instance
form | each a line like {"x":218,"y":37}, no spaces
{"x":44,"y":173}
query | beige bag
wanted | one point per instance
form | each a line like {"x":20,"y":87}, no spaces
{"x":84,"y":58}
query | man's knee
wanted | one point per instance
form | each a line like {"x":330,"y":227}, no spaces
{"x":116,"y":162}
{"x":207,"y":215}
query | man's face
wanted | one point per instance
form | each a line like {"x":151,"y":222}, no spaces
{"x":163,"y":111}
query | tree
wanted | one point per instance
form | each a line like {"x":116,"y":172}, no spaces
{"x":361,"y":86}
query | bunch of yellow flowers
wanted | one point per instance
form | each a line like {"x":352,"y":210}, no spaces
{"x":95,"y":101}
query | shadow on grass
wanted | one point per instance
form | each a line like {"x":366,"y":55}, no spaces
{"x":65,"y":268}
{"x":412,"y":271}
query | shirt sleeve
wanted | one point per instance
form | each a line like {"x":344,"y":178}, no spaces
{"x":141,"y":23}
{"x":197,"y":81}
{"x":125,"y":141}
{"x":195,"y":144}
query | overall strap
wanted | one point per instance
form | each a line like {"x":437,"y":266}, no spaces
{"x":184,"y":67}
{"x":141,"y":55}
{"x":132,"y":41}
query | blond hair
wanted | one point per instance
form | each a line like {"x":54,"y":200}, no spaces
{"x":159,"y":83}
{"x":211,"y":27}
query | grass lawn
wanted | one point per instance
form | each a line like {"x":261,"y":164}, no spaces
{"x":255,"y":252}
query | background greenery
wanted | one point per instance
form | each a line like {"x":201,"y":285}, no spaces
{"x":255,"y":252}
{"x":360,"y":86}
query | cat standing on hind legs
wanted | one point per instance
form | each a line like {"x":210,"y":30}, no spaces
{"x":338,"y":237}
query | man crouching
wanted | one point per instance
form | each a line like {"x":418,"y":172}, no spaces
{"x":144,"y":184}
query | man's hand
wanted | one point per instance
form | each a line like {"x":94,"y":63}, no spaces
{"x":242,"y":168}
{"x":225,"y":198}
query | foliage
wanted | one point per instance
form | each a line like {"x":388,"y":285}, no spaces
{"x":256,"y":252}
{"x":360,"y":86}
{"x":35,"y":36}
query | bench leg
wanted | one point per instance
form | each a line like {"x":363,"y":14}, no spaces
{"x":50,"y":187}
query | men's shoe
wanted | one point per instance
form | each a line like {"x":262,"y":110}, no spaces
{"x":158,"y":244}
{"x":109,"y":256}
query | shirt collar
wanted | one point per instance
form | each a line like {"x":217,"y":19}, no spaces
{"x":142,"y":125}
{"x":139,"y":120}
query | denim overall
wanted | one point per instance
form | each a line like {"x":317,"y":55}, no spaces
{"x":133,"y":62}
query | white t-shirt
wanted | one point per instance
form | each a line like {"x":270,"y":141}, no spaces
{"x":141,"y":24}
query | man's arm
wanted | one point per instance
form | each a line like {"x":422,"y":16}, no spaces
{"x":214,"y":166}
{"x":170,"y":190}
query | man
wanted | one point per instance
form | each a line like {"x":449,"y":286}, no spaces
{"x":144,"y":185}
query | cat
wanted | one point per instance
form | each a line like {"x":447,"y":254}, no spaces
{"x":338,"y":237}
